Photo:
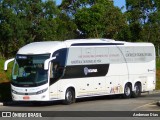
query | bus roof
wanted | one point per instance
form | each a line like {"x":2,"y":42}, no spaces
{"x":50,"y":46}
{"x":39,"y":47}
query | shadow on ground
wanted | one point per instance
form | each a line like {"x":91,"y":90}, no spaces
{"x":5,"y":92}
{"x":59,"y":102}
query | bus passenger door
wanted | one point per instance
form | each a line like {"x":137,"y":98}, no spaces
{"x":56,"y":72}
{"x":53,"y":94}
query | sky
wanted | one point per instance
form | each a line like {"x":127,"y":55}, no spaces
{"x":119,"y":3}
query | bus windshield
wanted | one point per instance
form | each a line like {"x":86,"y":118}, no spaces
{"x":29,"y":69}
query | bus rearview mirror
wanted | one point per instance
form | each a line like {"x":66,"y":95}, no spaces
{"x":6,"y":63}
{"x":46,"y":63}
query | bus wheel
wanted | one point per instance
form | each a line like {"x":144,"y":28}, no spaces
{"x":69,"y":97}
{"x":137,"y":90}
{"x":127,"y":91}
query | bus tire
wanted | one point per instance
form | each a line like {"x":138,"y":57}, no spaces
{"x":127,"y":91}
{"x":69,"y":97}
{"x":137,"y":91}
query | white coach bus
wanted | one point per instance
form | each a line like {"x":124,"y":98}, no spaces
{"x":48,"y":71}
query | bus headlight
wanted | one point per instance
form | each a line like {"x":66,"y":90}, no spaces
{"x":42,"y":91}
{"x":13,"y":91}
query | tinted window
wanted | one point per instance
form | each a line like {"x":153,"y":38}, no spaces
{"x":58,"y":65}
{"x":60,"y":56}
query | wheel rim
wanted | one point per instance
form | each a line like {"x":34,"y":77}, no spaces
{"x":127,"y":91}
{"x":69,"y":96}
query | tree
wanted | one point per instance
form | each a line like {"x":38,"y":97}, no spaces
{"x":101,"y":19}
{"x":25,"y":21}
{"x":143,"y":19}
{"x":72,"y":6}
{"x":12,"y":28}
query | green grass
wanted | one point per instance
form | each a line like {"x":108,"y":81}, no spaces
{"x":158,"y":74}
{"x":5,"y":75}
{"x":158,"y":64}
{"x":5,"y":94}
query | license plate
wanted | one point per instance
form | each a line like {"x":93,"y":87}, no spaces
{"x":26,"y":98}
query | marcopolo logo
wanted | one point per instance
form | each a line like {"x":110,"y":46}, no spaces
{"x":86,"y":70}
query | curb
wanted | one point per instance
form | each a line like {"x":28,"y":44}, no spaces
{"x":154,"y":92}
{"x":1,"y":104}
{"x":151,"y":92}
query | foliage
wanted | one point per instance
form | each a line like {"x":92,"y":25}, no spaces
{"x":5,"y":75}
{"x":22,"y":22}
{"x":144,"y":19}
{"x":102,"y":19}
{"x":25,"y":21}
{"x":158,"y":73}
